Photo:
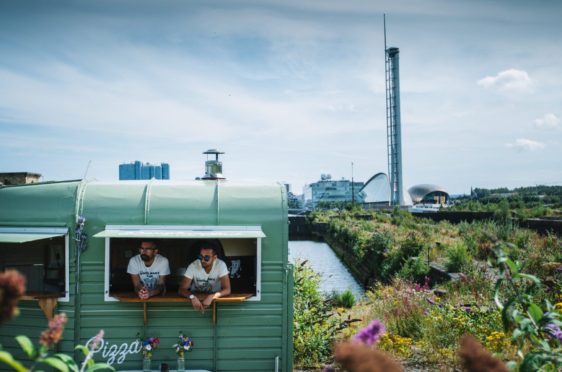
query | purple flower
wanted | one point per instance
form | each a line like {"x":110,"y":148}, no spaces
{"x":554,"y":331}
{"x":328,"y":369}
{"x":370,"y":334}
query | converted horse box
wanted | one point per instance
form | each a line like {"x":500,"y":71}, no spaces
{"x":72,"y":240}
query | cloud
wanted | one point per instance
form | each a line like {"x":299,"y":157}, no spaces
{"x":547,"y":121}
{"x":524,"y":144}
{"x":508,"y":81}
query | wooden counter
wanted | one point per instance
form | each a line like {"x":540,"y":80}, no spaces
{"x":173,"y":297}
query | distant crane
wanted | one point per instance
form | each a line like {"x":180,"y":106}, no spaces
{"x":393,"y":131}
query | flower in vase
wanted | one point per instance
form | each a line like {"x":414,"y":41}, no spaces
{"x":149,"y":345}
{"x":184,"y":344}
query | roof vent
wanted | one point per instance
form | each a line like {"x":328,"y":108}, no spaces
{"x":213,"y":168}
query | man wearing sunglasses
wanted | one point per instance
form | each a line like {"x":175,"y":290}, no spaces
{"x":208,"y":275}
{"x":148,"y":270}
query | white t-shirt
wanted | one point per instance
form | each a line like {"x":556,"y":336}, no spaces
{"x":203,"y":281}
{"x":149,"y":275}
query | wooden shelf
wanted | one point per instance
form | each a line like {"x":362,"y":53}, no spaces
{"x":47,"y":301}
{"x":174,"y":298}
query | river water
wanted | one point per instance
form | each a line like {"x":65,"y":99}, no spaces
{"x":334,"y":275}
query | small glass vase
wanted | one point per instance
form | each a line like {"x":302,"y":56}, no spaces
{"x":181,"y":364}
{"x":146,"y":364}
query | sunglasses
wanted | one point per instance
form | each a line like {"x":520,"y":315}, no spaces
{"x":205,"y":258}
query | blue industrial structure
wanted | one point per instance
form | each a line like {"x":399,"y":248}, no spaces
{"x":140,"y":171}
{"x":393,"y":130}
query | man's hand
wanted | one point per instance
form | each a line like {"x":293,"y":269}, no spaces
{"x":197,"y":305}
{"x":144,"y":293}
{"x":208,"y":300}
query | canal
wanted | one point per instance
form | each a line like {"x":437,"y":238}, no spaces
{"x":334,"y":275}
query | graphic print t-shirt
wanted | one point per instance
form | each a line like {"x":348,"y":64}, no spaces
{"x":203,"y":281}
{"x":149,"y":276}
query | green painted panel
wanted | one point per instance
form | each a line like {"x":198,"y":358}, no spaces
{"x":24,"y":238}
{"x":38,"y":204}
{"x":92,"y":299}
{"x":107,"y":203}
{"x":250,"y":309}
{"x":92,"y":275}
{"x":248,"y":342}
{"x":245,"y":365}
{"x":164,"y":355}
{"x":251,"y":321}
{"x":190,"y":364}
{"x":271,"y":298}
{"x":259,"y":331}
{"x":249,"y":353}
{"x":181,"y":205}
{"x":110,"y":320}
{"x":276,"y":287}
{"x":92,"y":287}
{"x":272,"y":276}
{"x":160,"y":320}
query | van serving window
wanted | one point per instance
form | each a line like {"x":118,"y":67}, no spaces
{"x":241,"y":250}
{"x":41,"y":255}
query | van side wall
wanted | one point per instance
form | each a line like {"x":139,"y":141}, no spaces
{"x":247,"y":336}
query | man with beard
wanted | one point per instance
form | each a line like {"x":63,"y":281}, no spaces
{"x":208,"y":275}
{"x":148,"y":270}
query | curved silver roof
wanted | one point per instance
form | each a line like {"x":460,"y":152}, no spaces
{"x":417,"y":192}
{"x":376,"y":189}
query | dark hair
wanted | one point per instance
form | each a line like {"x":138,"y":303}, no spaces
{"x":213,"y":245}
{"x":150,"y":241}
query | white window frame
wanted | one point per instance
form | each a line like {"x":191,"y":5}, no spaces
{"x":186,"y":232}
{"x":49,"y":231}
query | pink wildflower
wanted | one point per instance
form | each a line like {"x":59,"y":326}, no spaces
{"x":97,"y":340}
{"x":12,"y":288}
{"x":53,"y":334}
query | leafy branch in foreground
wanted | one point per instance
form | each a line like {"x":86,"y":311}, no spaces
{"x":535,"y":329}
{"x":12,"y":288}
{"x":58,"y":361}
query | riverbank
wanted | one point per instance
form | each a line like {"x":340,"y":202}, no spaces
{"x":425,"y":319}
{"x":335,"y":277}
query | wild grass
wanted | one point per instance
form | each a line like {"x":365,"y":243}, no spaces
{"x":425,"y":323}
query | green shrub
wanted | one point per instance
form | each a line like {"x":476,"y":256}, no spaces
{"x":344,"y":299}
{"x":471,"y":244}
{"x":398,"y":255}
{"x":415,"y":269}
{"x":535,"y":326}
{"x":458,"y":258}
{"x":314,"y":324}
{"x":375,"y":249}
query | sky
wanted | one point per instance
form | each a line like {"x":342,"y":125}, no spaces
{"x":289,"y":90}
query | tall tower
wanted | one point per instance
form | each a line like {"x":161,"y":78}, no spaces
{"x":393,"y":135}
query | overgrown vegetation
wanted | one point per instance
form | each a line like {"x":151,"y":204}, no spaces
{"x":344,"y":299}
{"x":424,"y":318}
{"x":525,"y":202}
{"x":316,"y":323}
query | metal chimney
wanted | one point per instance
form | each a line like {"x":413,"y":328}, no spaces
{"x":213,"y":168}
{"x":393,"y":124}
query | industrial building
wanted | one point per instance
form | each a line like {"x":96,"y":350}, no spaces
{"x":146,"y":171}
{"x":329,"y":191}
{"x":18,"y":178}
